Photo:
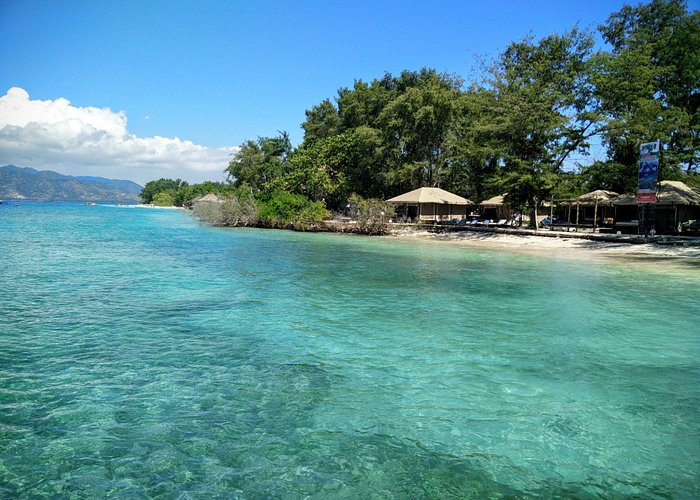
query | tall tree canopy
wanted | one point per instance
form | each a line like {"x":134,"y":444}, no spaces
{"x":259,"y":162}
{"x":542,"y":112}
{"x":516,"y":131}
{"x":651,"y":83}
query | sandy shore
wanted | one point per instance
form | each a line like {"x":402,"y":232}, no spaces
{"x":682,"y":252}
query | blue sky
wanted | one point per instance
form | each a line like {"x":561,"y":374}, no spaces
{"x":214,"y":74}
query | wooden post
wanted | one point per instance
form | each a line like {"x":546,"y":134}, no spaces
{"x":577,"y":209}
{"x":595,"y":214}
{"x":676,"y":226}
{"x":551,"y":209}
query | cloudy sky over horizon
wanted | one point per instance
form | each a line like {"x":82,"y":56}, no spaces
{"x":55,"y":135}
{"x":142,"y":90}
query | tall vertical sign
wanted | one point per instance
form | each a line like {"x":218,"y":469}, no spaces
{"x":648,"y":172}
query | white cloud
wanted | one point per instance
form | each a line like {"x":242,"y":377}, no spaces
{"x":56,"y":135}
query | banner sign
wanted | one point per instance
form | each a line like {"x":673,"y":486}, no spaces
{"x":648,"y":172}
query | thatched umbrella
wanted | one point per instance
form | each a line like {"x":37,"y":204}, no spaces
{"x":598,"y":197}
{"x":593,"y":199}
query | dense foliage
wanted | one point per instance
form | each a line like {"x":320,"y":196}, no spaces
{"x":280,"y":210}
{"x":178,"y":192}
{"x":517,"y":131}
{"x":524,"y":129}
{"x":291,"y":211}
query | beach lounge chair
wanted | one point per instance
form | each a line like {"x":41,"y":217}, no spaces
{"x":486,"y":222}
{"x":462,"y":222}
{"x":474,"y":222}
{"x":501,"y":222}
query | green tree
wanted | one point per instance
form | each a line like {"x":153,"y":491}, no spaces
{"x":544,"y":110}
{"x":322,"y":121}
{"x":473,"y":149}
{"x":362,"y":105}
{"x":610,"y":175}
{"x":364,"y":163}
{"x":259,"y":162}
{"x":395,"y":131}
{"x":331,"y":168}
{"x":169,"y":186}
{"x":314,"y":169}
{"x":416,"y":125}
{"x":291,"y":211}
{"x":651,"y":83}
{"x":163,"y":199}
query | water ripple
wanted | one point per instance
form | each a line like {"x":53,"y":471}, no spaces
{"x":143,"y":355}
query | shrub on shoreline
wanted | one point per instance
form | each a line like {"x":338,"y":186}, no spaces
{"x":285,"y":210}
{"x":280,"y":210}
{"x":372,"y":215}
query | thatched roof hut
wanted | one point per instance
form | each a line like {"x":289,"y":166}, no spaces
{"x":496,"y":208}
{"x":676,"y":204}
{"x":208,"y":198}
{"x":431,"y":204}
{"x":496,"y":201}
{"x":669,"y":193}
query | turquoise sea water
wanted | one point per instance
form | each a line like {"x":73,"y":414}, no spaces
{"x":144,"y":355}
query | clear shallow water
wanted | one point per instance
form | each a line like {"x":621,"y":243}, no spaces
{"x":145,"y":355}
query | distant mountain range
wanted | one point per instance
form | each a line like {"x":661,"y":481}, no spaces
{"x":20,"y":183}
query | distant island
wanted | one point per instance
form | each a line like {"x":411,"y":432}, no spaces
{"x":24,"y":183}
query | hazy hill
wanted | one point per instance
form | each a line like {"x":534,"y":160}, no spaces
{"x":45,"y":185}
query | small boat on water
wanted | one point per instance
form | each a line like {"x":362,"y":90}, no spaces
{"x":90,"y":203}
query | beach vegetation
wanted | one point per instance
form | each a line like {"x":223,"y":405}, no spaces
{"x":163,"y":199}
{"x":259,"y":162}
{"x":179,"y":192}
{"x":238,"y":208}
{"x":281,"y":210}
{"x":371,"y":215}
{"x":284,"y":210}
{"x":167,"y":186}
{"x":525,"y":126}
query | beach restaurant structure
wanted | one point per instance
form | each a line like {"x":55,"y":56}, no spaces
{"x":430,"y":204}
{"x":676,"y":204}
{"x":496,"y":208}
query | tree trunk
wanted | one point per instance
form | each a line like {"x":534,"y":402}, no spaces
{"x":533,"y":216}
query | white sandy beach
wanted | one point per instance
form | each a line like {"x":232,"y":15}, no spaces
{"x":150,"y":206}
{"x":562,"y":248}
